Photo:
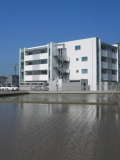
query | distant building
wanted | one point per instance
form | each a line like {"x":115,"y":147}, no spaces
{"x":13,"y":79}
{"x":88,"y":59}
{"x":3,"y":80}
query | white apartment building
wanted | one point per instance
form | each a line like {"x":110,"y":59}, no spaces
{"x":85,"y":59}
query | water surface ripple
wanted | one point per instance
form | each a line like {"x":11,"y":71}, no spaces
{"x":59,"y":132}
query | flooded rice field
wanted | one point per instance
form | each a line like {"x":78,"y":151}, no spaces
{"x":31,"y":131}
{"x":62,"y":98}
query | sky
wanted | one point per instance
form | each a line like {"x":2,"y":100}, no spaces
{"x":30,"y":23}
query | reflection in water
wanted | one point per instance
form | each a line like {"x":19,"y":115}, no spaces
{"x":98,"y":111}
{"x":59,"y":108}
{"x":62,"y":97}
{"x":106,"y":110}
{"x":52,"y":131}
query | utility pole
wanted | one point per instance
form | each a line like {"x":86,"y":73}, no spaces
{"x":15,"y":73}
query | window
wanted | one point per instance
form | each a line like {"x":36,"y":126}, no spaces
{"x":113,"y":72}
{"x":35,"y":62}
{"x":43,"y":61}
{"x":114,"y":50}
{"x":43,"y":72}
{"x":104,"y":71}
{"x":43,"y":51}
{"x":77,"y":71}
{"x":77,"y":59}
{"x":84,"y":70}
{"x":84,"y":58}
{"x":114,"y":61}
{"x":103,"y":59}
{"x":29,"y":63}
{"x":36,"y":72}
{"x":22,"y":55}
{"x":103,"y":47}
{"x":77,"y":47}
{"x":29,"y":53}
{"x":28,"y":73}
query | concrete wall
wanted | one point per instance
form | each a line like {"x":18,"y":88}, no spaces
{"x":88,"y":49}
{"x":52,"y":86}
{"x":72,"y":86}
{"x":58,"y":85}
{"x":25,"y":87}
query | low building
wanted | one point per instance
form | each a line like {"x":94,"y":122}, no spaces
{"x":13,"y":79}
{"x":3,"y":80}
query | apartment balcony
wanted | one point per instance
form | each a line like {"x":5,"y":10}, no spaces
{"x":109,"y":77}
{"x":109,"y":65}
{"x":103,"y":53}
{"x":61,"y":69}
{"x":36,"y":77}
{"x":104,"y":65}
{"x":114,"y":55}
{"x":104,"y":77}
{"x":36,"y":56}
{"x":114,"y":77}
{"x":114,"y":66}
{"x":36,"y":67}
{"x":110,"y":54}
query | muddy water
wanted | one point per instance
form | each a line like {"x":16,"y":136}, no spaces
{"x":59,"y":132}
{"x":63,"y":97}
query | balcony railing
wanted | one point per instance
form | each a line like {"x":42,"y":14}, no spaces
{"x":114,"y":55}
{"x":104,"y":76}
{"x":114,"y":66}
{"x":104,"y":53}
{"x":104,"y":65}
{"x":114,"y":77}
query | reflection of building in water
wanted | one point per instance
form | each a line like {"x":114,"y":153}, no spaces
{"x":31,"y":113}
{"x":103,"y":111}
{"x":58,"y":108}
{"x":29,"y":109}
{"x":98,"y":111}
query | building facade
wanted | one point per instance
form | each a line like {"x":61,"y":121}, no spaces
{"x":86,"y":59}
{"x":13,"y":80}
{"x":3,"y":80}
{"x":9,"y":79}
